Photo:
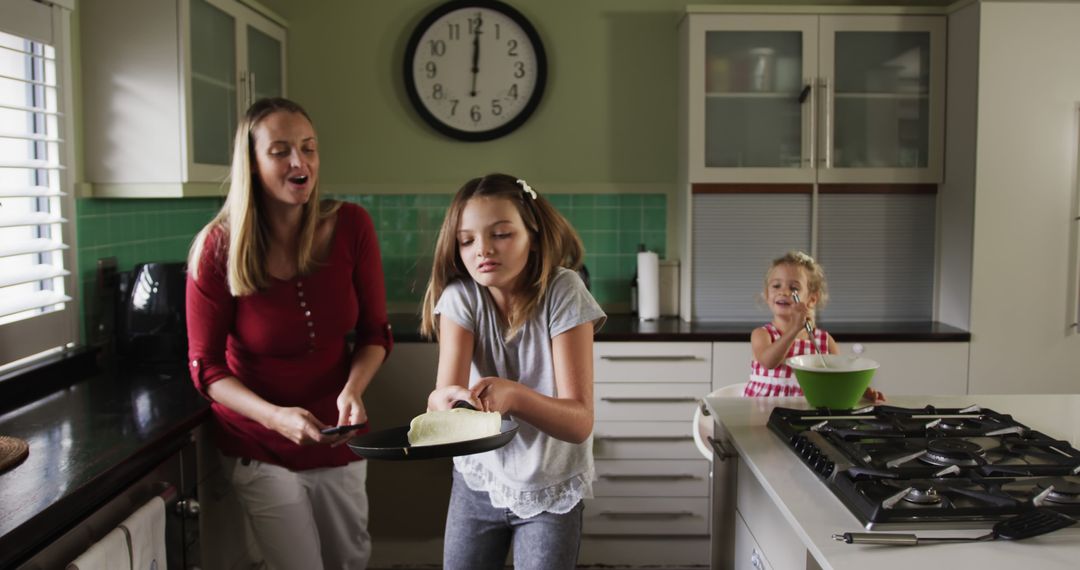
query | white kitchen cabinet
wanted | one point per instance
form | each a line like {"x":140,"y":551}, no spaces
{"x":917,"y":368}
{"x":804,"y":129}
{"x":1010,"y":214}
{"x":803,"y":98}
{"x":164,"y":93}
{"x":652,"y":490}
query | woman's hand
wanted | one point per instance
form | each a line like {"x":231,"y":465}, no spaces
{"x":496,"y":394}
{"x":443,"y":398}
{"x":351,"y":411}
{"x":297,"y":425}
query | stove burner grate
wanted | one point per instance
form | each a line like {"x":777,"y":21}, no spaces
{"x":1061,"y":491}
{"x":952,"y":451}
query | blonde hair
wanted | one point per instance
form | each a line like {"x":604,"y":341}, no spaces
{"x":815,"y":275}
{"x":240,"y":218}
{"x":554,"y":244}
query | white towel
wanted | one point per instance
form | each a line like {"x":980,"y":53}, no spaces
{"x":146,"y":530}
{"x":109,"y":553}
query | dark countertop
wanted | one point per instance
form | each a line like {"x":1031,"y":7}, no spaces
{"x":88,"y":441}
{"x":627,"y":328}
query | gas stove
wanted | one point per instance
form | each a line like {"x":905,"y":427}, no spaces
{"x":932,"y":467}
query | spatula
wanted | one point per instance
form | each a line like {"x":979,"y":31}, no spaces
{"x":1026,"y":525}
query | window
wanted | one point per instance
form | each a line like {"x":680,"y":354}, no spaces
{"x":37,"y":308}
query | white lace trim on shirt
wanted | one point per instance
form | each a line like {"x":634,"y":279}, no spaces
{"x":558,"y":498}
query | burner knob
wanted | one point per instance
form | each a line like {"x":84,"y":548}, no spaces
{"x":822,"y":464}
{"x":828,"y":468}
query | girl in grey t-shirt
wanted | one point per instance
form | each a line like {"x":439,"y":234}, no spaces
{"x":515,"y":326}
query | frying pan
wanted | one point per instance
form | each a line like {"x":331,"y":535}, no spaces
{"x":393,"y":443}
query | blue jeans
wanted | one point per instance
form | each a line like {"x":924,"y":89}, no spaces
{"x":478,"y":535}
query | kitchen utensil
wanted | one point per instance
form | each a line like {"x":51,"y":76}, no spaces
{"x":838,"y":385}
{"x":342,"y":429}
{"x":1026,"y":525}
{"x":810,"y":331}
{"x":393,"y":443}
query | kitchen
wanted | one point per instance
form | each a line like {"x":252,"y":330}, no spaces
{"x":999,"y":277}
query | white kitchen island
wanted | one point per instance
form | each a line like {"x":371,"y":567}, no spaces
{"x":792,"y":514}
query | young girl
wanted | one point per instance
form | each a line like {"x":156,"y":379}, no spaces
{"x":794,"y":287}
{"x":517,"y":339}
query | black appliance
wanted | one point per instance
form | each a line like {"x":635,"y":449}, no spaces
{"x":150,"y":321}
{"x":932,"y":467}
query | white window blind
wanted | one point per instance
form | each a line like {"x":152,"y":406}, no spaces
{"x":37,"y":309}
{"x":736,"y":236}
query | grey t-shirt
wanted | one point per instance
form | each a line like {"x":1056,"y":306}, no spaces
{"x":534,"y":472}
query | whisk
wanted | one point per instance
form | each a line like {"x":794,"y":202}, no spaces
{"x":810,"y":331}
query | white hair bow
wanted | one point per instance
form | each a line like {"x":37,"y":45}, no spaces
{"x":526,"y":188}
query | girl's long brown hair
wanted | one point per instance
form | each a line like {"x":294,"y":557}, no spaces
{"x":240,"y":218}
{"x":554,"y":244}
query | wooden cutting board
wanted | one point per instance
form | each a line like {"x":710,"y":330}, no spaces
{"x":12,"y":452}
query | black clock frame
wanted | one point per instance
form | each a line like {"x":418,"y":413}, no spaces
{"x":530,"y":105}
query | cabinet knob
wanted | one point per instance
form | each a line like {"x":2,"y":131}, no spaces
{"x":188,"y":508}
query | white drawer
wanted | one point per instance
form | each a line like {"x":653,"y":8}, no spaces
{"x":652,"y":362}
{"x":748,"y":555}
{"x":771,"y":531}
{"x":663,"y":516}
{"x":644,"y":440}
{"x":651,"y":478}
{"x":672,"y":402}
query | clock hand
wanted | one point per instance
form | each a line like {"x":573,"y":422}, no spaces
{"x":475,"y":55}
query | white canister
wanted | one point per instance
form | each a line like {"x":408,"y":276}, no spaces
{"x":648,"y":271}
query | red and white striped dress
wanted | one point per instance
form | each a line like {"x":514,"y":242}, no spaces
{"x":780,"y":381}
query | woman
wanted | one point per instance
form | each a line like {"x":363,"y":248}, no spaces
{"x":276,"y":281}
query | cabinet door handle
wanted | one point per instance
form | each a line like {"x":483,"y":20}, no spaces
{"x":659,"y":358}
{"x":656,"y":400}
{"x":829,"y":101}
{"x":646,"y":514}
{"x":679,"y":477}
{"x":719,"y":451}
{"x":811,"y":83}
{"x":245,"y":92}
{"x":645,"y":437}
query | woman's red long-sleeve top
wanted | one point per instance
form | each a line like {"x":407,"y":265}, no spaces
{"x":287,"y":342}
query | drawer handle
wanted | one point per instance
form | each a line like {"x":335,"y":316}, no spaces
{"x":646,"y":515}
{"x":679,"y":477}
{"x":648,"y":400}
{"x":719,"y":450}
{"x":646,"y":437}
{"x":660,"y":357}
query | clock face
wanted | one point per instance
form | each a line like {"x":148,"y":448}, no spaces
{"x":475,"y":70}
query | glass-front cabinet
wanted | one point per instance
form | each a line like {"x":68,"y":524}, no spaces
{"x":237,"y":57}
{"x":160,"y":119}
{"x":814,"y":98}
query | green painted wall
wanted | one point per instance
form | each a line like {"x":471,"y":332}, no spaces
{"x":608,"y":115}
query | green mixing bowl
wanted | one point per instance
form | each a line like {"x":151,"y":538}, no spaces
{"x":839,"y":384}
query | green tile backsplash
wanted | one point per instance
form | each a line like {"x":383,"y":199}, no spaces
{"x":135,"y":231}
{"x":611,"y":226}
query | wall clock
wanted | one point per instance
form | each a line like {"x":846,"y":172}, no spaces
{"x":475,"y":69}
